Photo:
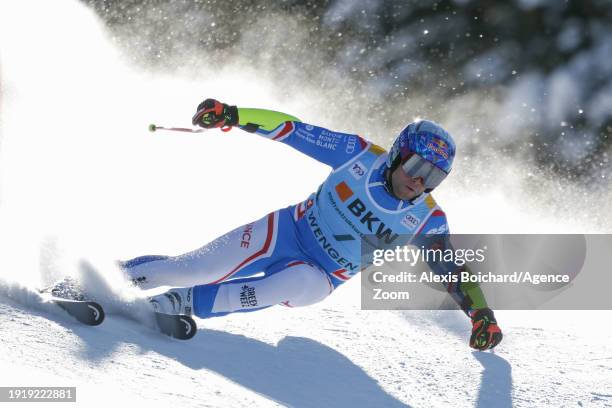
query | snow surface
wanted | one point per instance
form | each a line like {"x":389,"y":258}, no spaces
{"x":81,"y":178}
{"x":330,"y":354}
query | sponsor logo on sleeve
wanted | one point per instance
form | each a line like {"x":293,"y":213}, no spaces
{"x":351,"y":144}
{"x":328,"y":140}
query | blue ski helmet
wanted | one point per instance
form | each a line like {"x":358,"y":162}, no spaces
{"x":423,"y":149}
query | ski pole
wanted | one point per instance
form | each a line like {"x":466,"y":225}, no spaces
{"x":153,"y":128}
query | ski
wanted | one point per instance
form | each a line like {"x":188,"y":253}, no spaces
{"x":91,"y":313}
{"x":180,"y":327}
{"x":69,"y":295}
{"x":85,"y":311}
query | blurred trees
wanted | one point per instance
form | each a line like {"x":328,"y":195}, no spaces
{"x":547,"y":64}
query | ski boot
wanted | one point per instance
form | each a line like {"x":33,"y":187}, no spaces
{"x":173,"y":310}
{"x":176,"y":301}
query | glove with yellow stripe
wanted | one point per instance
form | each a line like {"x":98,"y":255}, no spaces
{"x":486,"y":334}
{"x":211,"y":114}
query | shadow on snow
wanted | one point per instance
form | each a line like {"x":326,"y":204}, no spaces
{"x":298,"y":371}
{"x":496,"y":379}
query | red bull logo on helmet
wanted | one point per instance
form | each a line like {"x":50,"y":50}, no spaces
{"x":439,"y":146}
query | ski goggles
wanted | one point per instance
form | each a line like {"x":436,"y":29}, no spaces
{"x":416,"y":166}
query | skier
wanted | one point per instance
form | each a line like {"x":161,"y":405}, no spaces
{"x":307,"y":250}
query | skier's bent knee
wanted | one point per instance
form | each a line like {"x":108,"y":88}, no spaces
{"x":315,"y":286}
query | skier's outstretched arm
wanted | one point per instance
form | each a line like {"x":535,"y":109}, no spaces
{"x":326,"y":146}
{"x":486,"y":333}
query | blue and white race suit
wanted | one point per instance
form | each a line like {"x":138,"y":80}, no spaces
{"x":301,"y":253}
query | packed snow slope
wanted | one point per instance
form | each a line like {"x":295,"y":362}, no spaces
{"x":331,"y":354}
{"x":81,"y":178}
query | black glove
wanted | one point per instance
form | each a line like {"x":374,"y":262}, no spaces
{"x":486,"y":334}
{"x":211,"y":114}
